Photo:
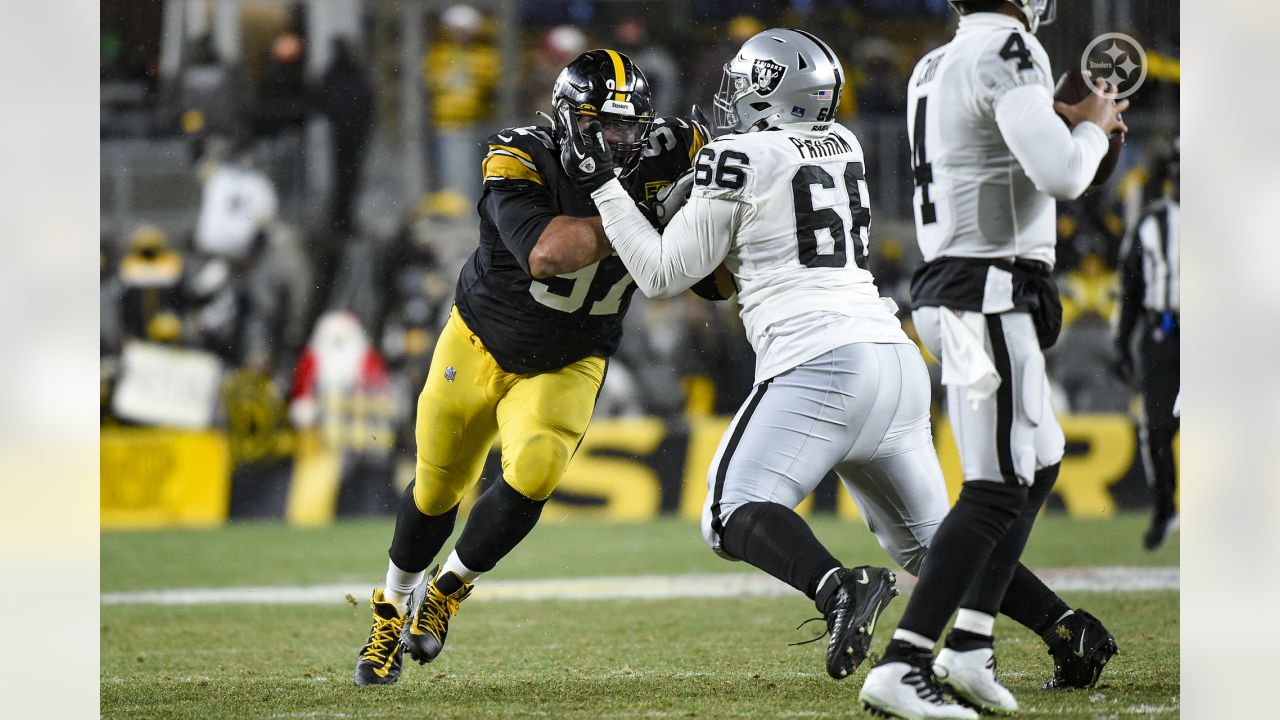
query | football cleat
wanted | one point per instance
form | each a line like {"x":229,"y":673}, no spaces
{"x":381,"y":657}
{"x":1081,"y":647}
{"x":908,"y":690}
{"x":429,"y":612}
{"x":861,"y":596}
{"x":970,"y":675}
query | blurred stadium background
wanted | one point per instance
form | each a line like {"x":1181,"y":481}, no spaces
{"x":264,"y":361}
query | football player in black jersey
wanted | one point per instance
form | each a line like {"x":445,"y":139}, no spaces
{"x":538,"y":310}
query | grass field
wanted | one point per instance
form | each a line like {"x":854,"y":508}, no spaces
{"x":680,"y":657}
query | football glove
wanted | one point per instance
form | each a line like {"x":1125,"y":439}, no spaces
{"x":587,"y":158}
{"x":700,"y":119}
{"x":673,"y":197}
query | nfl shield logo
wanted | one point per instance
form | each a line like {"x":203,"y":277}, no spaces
{"x":766,"y":74}
{"x":450,"y":373}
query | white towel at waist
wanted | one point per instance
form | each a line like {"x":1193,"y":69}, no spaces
{"x":965,"y":361}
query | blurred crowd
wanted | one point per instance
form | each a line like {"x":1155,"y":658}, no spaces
{"x":318,"y":315}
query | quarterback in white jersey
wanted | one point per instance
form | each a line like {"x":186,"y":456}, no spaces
{"x":990,"y":156}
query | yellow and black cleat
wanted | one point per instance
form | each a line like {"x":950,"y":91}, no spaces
{"x":382,"y":655}
{"x":430,"y":607}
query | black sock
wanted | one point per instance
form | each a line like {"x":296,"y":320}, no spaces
{"x":778,"y":541}
{"x":902,"y":651}
{"x":987,"y":596}
{"x":964,"y":641}
{"x":1031,"y":603}
{"x":500,"y":519}
{"x":1028,"y":600}
{"x":418,"y":536}
{"x":958,"y":552}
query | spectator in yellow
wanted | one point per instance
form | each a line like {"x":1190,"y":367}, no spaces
{"x":461,"y":74}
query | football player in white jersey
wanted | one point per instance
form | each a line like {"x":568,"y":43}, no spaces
{"x":990,"y":157}
{"x":782,"y":202}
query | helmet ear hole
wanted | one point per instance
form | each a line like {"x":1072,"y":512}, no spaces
{"x":760,"y":106}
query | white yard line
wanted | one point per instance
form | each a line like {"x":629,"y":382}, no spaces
{"x":631,"y":587}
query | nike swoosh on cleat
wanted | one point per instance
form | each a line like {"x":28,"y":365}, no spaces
{"x":1080,"y":651}
{"x":863,"y":579}
{"x":504,"y":138}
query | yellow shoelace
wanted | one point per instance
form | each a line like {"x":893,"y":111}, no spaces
{"x":383,"y":639}
{"x":436,"y":610}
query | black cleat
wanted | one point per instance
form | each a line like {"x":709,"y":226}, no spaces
{"x":380,"y":658}
{"x":1081,"y":647}
{"x":861,"y":596}
{"x":429,"y":612}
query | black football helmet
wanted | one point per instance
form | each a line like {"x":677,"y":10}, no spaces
{"x":605,"y":85}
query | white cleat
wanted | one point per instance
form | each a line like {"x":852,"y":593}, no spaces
{"x":971,"y":676}
{"x":908,"y":691}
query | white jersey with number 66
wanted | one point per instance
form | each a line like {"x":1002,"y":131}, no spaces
{"x":786,"y":210}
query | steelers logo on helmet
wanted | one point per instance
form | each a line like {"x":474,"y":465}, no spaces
{"x":766,"y":75}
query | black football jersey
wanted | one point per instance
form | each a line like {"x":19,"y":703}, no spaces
{"x":533,"y":325}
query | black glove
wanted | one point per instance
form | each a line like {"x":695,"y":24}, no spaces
{"x":587,"y":158}
{"x":700,"y":119}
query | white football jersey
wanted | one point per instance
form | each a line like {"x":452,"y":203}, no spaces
{"x":972,"y":197}
{"x":799,"y":247}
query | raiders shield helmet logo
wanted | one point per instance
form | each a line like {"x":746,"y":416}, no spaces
{"x":766,"y":74}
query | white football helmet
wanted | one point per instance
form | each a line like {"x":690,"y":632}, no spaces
{"x":779,"y":76}
{"x":1037,"y":12}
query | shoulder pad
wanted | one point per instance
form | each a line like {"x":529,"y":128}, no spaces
{"x":517,"y":154}
{"x":1012,"y":59}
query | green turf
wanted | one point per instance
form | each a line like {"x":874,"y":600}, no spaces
{"x":561,"y":659}
{"x":274,"y":554}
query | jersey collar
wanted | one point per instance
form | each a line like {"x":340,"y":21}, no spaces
{"x":975,"y":22}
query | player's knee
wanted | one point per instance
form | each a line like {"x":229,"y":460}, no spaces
{"x":536,"y":466}
{"x":711,"y":531}
{"x":910,"y":558}
{"x":435,"y":491}
{"x":993,"y":504}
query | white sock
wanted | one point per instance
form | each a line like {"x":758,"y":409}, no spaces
{"x":915,"y":639}
{"x":975,"y":622}
{"x":455,"y":566}
{"x":399,"y":585}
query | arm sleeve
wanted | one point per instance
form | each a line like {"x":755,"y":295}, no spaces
{"x":520,"y":214}
{"x":1059,"y":161}
{"x":693,"y":245}
{"x":1132,"y":287}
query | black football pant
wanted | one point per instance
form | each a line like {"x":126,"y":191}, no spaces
{"x":1160,"y":381}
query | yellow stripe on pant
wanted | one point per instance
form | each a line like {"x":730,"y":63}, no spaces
{"x":468,"y":398}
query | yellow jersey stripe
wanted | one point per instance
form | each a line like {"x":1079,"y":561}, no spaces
{"x":513,"y":150}
{"x":496,"y":166}
{"x":697,"y":142}
{"x":619,"y":76}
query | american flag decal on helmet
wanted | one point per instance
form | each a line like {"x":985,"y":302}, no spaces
{"x":824,"y":94}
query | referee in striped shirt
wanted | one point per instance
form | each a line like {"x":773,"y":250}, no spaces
{"x":1149,"y":330}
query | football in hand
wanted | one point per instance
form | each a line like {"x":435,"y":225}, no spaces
{"x":1072,"y":88}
